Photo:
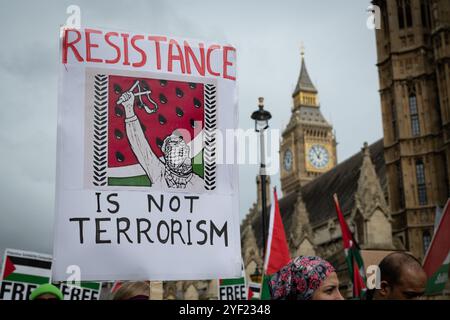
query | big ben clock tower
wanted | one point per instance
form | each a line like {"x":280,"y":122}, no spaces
{"x":308,"y":146}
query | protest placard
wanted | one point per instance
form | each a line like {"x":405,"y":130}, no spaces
{"x":22,"y":272}
{"x":80,"y":291}
{"x":139,"y":195}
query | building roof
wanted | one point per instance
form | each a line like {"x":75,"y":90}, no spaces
{"x":304,"y":82}
{"x":307,"y":116}
{"x":318,"y":194}
{"x":312,"y":115}
{"x":343,"y":180}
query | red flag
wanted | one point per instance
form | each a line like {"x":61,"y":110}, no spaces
{"x":116,"y":286}
{"x":439,"y":247}
{"x":277,"y":253}
{"x":352,"y":255}
{"x":346,"y":234}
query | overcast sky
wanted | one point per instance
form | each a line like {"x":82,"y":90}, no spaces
{"x":340,"y":55}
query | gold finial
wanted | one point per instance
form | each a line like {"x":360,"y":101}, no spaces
{"x":302,"y":49}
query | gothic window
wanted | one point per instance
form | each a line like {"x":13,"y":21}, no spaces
{"x":359,"y":224}
{"x":426,"y":238}
{"x":384,"y":18}
{"x":394,"y":122}
{"x":404,"y":13}
{"x":400,"y":185}
{"x":425,"y":13}
{"x":400,"y":14}
{"x":408,"y":13}
{"x":421,"y":187}
{"x":415,"y":125}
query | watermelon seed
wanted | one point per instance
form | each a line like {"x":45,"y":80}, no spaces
{"x":162,"y":98}
{"x":193,"y":124}
{"x":179,"y":112}
{"x":197,"y":103}
{"x":118,"y":134}
{"x":163,"y":83}
{"x":161,"y":119}
{"x":117,"y":89}
{"x":145,"y":85}
{"x":179,"y":92}
{"x":159,"y":142}
{"x":143,"y":127}
{"x":192,"y":85}
{"x":119,"y":112}
{"x":120,"y":157}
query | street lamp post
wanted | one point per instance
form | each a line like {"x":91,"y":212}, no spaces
{"x":262,"y":118}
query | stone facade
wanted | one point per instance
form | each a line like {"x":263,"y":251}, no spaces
{"x":413,"y":48}
{"x":388,"y":191}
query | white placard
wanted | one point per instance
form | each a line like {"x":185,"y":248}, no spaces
{"x":139,"y":195}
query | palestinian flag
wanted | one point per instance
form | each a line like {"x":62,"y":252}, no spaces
{"x":352,"y":255}
{"x":437,"y":259}
{"x":253,"y":291}
{"x":26,"y":267}
{"x":277,"y":252}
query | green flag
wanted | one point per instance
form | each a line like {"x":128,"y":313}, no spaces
{"x":436,"y":283}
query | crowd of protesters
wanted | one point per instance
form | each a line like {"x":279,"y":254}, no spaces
{"x":303,"y":278}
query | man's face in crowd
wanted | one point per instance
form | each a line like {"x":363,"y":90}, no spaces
{"x":411,"y":285}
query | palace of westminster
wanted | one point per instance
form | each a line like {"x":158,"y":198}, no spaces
{"x":389,"y":191}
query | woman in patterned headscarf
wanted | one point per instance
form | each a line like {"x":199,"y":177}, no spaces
{"x":305,"y":278}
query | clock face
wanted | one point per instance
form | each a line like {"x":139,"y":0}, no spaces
{"x":287,"y":161}
{"x":318,"y":156}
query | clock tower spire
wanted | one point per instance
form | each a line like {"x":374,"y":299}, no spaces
{"x":308,"y":146}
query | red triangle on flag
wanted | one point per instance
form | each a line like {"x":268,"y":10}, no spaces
{"x":9,"y":268}
{"x":250,"y":293}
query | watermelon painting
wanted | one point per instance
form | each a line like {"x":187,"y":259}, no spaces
{"x":155,"y":133}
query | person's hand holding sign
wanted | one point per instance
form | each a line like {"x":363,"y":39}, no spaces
{"x":127,"y":100}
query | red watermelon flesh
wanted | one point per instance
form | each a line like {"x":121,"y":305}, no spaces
{"x":180,"y":104}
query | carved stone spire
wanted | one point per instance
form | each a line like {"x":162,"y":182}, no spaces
{"x":369,"y":194}
{"x":300,"y":228}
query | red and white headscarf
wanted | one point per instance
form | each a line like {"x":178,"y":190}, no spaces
{"x":299,"y":278}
